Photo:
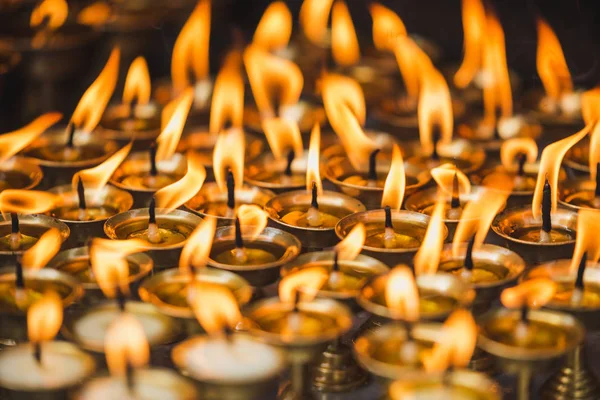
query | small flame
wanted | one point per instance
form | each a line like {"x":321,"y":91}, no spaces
{"x":314,"y":15}
{"x":275,"y":27}
{"x":473,"y":18}
{"x":344,"y":43}
{"x":313,"y":174}
{"x":590,"y":105}
{"x":478,"y":214}
{"x":125,"y":344}
{"x":98,"y":176}
{"x":456,"y":345}
{"x":401,"y":294}
{"x":306,"y":281}
{"x":351,"y":246}
{"x":253,"y":220}
{"x":95,"y":14}
{"x":177,"y":111}
{"x":228,"y":154}
{"x":214,"y":306}
{"x":172,"y":196}
{"x":533,"y":293}
{"x":37,"y":256}
{"x":395,"y":183}
{"x":387,"y":27}
{"x":551,"y":64}
{"x":191,"y":48}
{"x":283,"y":135}
{"x":444,"y":177}
{"x":411,"y":62}
{"x":427,"y":259}
{"x":271,"y":76}
{"x":197,"y":247}
{"x":13,"y":142}
{"x":594,"y":154}
{"x":137,"y":83}
{"x":109,"y":263}
{"x":511,"y":148}
{"x":44,"y":318}
{"x":54,"y":11}
{"x":588,"y":220}
{"x":26,"y":201}
{"x":550,"y":162}
{"x":89,"y":111}
{"x":228,"y":96}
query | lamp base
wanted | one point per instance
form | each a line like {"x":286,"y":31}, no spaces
{"x":337,"y":371}
{"x":574,"y":380}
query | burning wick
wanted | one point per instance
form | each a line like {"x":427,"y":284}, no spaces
{"x":230,"y":193}
{"x":522,"y":328}
{"x":577,"y":296}
{"x":597,"y":191}
{"x":546,"y":218}
{"x":312,"y":215}
{"x":37,"y":352}
{"x":70,"y":135}
{"x":287,"y":173}
{"x":435,"y":138}
{"x":81,"y":216}
{"x":467,"y":271}
{"x":15,"y":235}
{"x":239,"y":252}
{"x":389,"y":236}
{"x":20,"y":297}
{"x":521,"y":158}
{"x":153,"y":232}
{"x":335,"y":278}
{"x":455,"y":212}
{"x":153,"y":169}
{"x":372,"y":175}
{"x":129,"y":377}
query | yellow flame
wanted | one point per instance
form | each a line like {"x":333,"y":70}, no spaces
{"x":590,"y":105}
{"x":26,"y":201}
{"x":473,"y":18}
{"x":98,"y":176}
{"x":305,"y":282}
{"x":275,"y":27}
{"x":214,"y":306}
{"x":395,"y":182}
{"x":313,"y":174}
{"x":253,"y":220}
{"x":587,"y":242}
{"x":228,"y":155}
{"x":283,"y":135}
{"x":228,"y":96}
{"x":191,"y":48}
{"x":411,"y":62}
{"x":272,"y":77}
{"x":351,"y":246}
{"x":95,"y":14}
{"x":168,"y":139}
{"x":197,"y":247}
{"x":456,"y":344}
{"x":37,"y":256}
{"x":55,"y":11}
{"x":89,"y":111}
{"x":137,"y":83}
{"x":511,"y":148}
{"x":314,"y":15}
{"x":427,"y":259}
{"x":344,"y":43}
{"x":401,"y":294}
{"x":125,"y":344}
{"x":13,"y":142}
{"x":44,"y":318}
{"x":594,"y":154}
{"x":444,"y":177}
{"x":550,"y":162}
{"x":172,"y":196}
{"x":533,"y":293}
{"x":551,"y":64}
{"x":387,"y":27}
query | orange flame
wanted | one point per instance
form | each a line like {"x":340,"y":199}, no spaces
{"x":411,"y":62}
{"x":395,"y":182}
{"x":38,"y":255}
{"x":191,"y":48}
{"x":125,"y":344}
{"x":550,"y":162}
{"x":197,"y":248}
{"x":344,"y":43}
{"x":228,"y":154}
{"x":533,"y":293}
{"x":473,"y":18}
{"x":401,"y":294}
{"x":95,"y":14}
{"x":587,"y":242}
{"x":272,"y":76}
{"x":283,"y":134}
{"x":511,"y":148}
{"x":427,"y":259}
{"x":551,"y":64}
{"x":306,"y":281}
{"x":275,"y":27}
{"x":44,"y":318}
{"x":444,"y":177}
{"x":253,"y":220}
{"x":456,"y":345}
{"x":387,"y":27}
{"x":54,"y":11}
{"x":594,"y":154}
{"x":172,"y":196}
{"x":89,"y":111}
{"x":214,"y":306}
{"x":228,"y":96}
{"x":137,"y":83}
{"x":98,"y":176}
{"x":178,"y":110}
{"x":13,"y":142}
{"x":313,"y":174}
{"x":26,"y":201}
{"x":351,"y":246}
{"x":590,"y":105}
{"x":314,"y":15}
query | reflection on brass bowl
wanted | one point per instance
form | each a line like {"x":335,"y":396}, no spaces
{"x":19,"y":173}
{"x":143,"y":126}
{"x":491,"y":141}
{"x":400,"y":111}
{"x":31,"y":227}
{"x":534,"y":101}
{"x":578,"y":157}
{"x":266,"y":172}
{"x":578,"y":193}
{"x":305,"y":113}
{"x":466,"y":156}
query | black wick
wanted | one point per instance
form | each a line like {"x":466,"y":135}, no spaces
{"x":290,"y":158}
{"x":546,"y":207}
{"x":230,"y":190}
{"x":153,"y":169}
{"x":81,"y":194}
{"x":313,"y":202}
{"x":388,"y":217}
{"x":37,"y":352}
{"x":336,"y":266}
{"x":152,"y":211}
{"x":435,"y":138}
{"x":19,"y":280}
{"x":455,"y":202}
{"x":524,"y":313}
{"x":239,"y":242}
{"x":581,"y":271}
{"x":521,"y":158}
{"x":14,"y":220}
{"x":120,"y":299}
{"x":373,"y":165}
{"x":296,"y":299}
{"x":469,"y":254}
{"x":597,"y":191}
{"x":70,"y":134}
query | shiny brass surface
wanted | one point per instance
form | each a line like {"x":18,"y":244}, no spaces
{"x":30,"y":170}
{"x":33,"y":225}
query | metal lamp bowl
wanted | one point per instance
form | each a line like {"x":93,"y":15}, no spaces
{"x":26,"y":167}
{"x":34,"y":225}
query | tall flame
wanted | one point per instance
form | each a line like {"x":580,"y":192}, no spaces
{"x":191,"y":48}
{"x":444,"y":177}
{"x":411,"y":62}
{"x":313,"y":174}
{"x":137,"y":83}
{"x":590,"y":105}
{"x":168,"y":139}
{"x":44,"y":318}
{"x":283,"y":134}
{"x":344,"y":42}
{"x":253,"y":220}
{"x":594,"y":155}
{"x":395,"y":183}
{"x":427,"y":259}
{"x":98,"y":176}
{"x":587,"y":242}
{"x":551,"y":64}
{"x":351,"y":246}
{"x":26,"y":201}
{"x":473,"y":18}
{"x":550,"y":162}
{"x":533,"y":293}
{"x":197,"y":248}
{"x":401,"y":294}
{"x":275,"y":27}
{"x":13,"y":142}
{"x":305,"y":282}
{"x":214,"y":306}
{"x":125,"y":344}
{"x":38,"y":255}
{"x":228,"y":96}
{"x":314,"y":15}
{"x":172,"y":196}
{"x":228,"y":154}
{"x":511,"y":148}
{"x":89,"y":111}
{"x":54,"y":11}
{"x":387,"y":27}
